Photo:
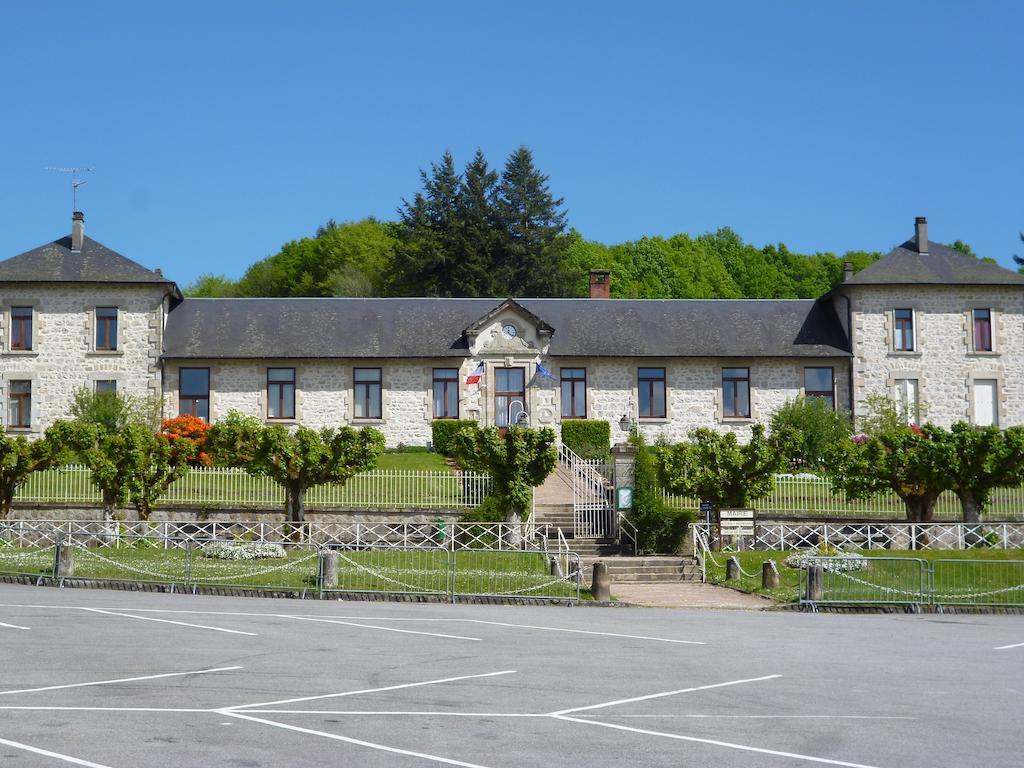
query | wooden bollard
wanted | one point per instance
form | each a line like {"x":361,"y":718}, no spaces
{"x":769,"y":575}
{"x":601,"y":585}
{"x":815,"y":582}
{"x":65,"y":561}
{"x":330,"y":566}
{"x":732,"y":569}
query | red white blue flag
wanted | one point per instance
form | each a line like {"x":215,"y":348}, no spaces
{"x":476,"y":375}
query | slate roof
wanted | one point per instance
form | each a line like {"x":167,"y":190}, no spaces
{"x":95,"y":263}
{"x":941,"y":265}
{"x":421,"y":327}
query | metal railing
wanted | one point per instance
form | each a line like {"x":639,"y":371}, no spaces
{"x":813,"y":496}
{"x":593,"y":511}
{"x":912,"y":581}
{"x":780,"y":536}
{"x":222,"y":487}
{"x":296,"y":568}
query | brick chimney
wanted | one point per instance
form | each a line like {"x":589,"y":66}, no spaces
{"x":600,"y":284}
{"x":77,"y":230}
{"x":847,"y":271}
{"x":921,"y":234}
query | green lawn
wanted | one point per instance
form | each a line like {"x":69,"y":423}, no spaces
{"x":417,"y":460}
{"x":950,"y":580}
{"x":523,"y":574}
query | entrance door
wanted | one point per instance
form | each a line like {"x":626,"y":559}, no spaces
{"x":509,"y":396}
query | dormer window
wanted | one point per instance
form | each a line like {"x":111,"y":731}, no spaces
{"x":106,"y":329}
{"x":903,"y":330}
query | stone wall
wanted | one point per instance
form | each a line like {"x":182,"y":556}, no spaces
{"x":63,"y":357}
{"x":943,"y":361}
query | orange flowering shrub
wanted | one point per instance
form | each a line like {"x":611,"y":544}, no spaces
{"x":190,"y":428}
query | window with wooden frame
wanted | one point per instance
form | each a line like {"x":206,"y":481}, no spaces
{"x":907,"y":400}
{"x":367,"y":393}
{"x":280,"y":393}
{"x":650,"y":386}
{"x":819,"y":383}
{"x":19,"y":404}
{"x":903,"y":330}
{"x":21,"y":328}
{"x":982,"y":330}
{"x":574,"y":393}
{"x":446,"y":393}
{"x":736,"y":393}
{"x":106,"y":329}
{"x":194,"y":392}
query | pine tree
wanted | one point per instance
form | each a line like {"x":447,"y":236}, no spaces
{"x":479,"y":242}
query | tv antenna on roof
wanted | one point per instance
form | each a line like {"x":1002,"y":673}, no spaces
{"x":75,"y":181}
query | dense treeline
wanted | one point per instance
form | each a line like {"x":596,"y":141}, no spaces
{"x":479,"y":232}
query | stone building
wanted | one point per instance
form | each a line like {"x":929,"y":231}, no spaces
{"x":936,"y":329}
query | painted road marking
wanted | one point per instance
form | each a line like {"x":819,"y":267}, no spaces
{"x":370,"y":690}
{"x":169,"y":621}
{"x":1008,"y":647}
{"x":121,"y":680}
{"x":371,"y":626}
{"x":12,"y":626}
{"x":663,"y":694}
{"x":48,"y":753}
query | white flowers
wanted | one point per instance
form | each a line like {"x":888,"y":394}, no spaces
{"x":241,"y":550}
{"x":837,"y":561}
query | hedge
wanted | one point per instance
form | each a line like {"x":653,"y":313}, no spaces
{"x":590,"y":439}
{"x":442,"y":431}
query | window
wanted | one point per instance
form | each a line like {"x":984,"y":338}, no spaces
{"x":574,"y":393}
{"x":106,"y":385}
{"x":21,"y":328}
{"x":106,"y":329}
{"x":906,"y":400}
{"x":19,"y":405}
{"x":446,"y":393}
{"x":903,"y":330}
{"x":983,"y":330}
{"x":367,"y":393}
{"x":509,"y":396}
{"x":194,"y":392}
{"x":736,"y":393}
{"x":820,"y":384}
{"x":986,"y":409}
{"x":651,"y":392}
{"x":280,"y":393}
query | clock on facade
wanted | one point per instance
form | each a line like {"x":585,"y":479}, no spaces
{"x":509,"y":331}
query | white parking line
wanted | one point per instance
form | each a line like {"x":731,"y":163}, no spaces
{"x":1008,"y":647}
{"x":169,"y":621}
{"x":120,"y":680}
{"x":105,"y":709}
{"x":48,"y":753}
{"x":12,"y":626}
{"x":372,"y":626}
{"x":715,"y":742}
{"x":380,"y":713}
{"x":663,"y":694}
{"x":370,"y":690}
{"x":348,"y":740}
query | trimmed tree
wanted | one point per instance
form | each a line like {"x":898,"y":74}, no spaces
{"x":516,"y":462}
{"x":19,"y":458}
{"x":984,"y":458}
{"x":715,"y":467}
{"x":816,"y":427}
{"x":296,"y":460}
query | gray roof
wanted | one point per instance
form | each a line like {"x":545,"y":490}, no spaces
{"x":941,"y":265}
{"x":393,"y":328}
{"x":56,"y":262}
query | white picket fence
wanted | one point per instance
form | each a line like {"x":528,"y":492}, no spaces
{"x":218,"y":487}
{"x":812,"y":496}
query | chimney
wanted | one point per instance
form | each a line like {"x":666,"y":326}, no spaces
{"x":921,"y":234}
{"x":77,"y":230}
{"x":600,"y":284}
{"x":847,"y":271}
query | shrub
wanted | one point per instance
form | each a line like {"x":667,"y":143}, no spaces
{"x":491,"y":510}
{"x":814,"y":429}
{"x":223,"y":550}
{"x":589,"y":439}
{"x":188,"y":428}
{"x":442,"y":431}
{"x":660,"y":528}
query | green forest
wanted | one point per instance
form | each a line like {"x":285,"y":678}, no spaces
{"x":479,"y":231}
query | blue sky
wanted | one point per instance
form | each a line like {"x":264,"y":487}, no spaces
{"x":221,"y":130}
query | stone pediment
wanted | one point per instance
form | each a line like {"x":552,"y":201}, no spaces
{"x":509,"y":329}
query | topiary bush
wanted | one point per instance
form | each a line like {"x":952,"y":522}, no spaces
{"x":442,"y":431}
{"x":588,"y":439}
{"x":660,"y":529}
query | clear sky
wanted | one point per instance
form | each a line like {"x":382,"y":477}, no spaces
{"x":220,"y":130}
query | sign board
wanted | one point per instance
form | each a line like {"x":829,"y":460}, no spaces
{"x":736,"y":522}
{"x":624,"y":497}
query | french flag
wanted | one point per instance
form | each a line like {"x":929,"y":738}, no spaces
{"x":476,"y":375}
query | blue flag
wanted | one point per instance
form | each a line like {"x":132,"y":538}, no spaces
{"x":544,"y":372}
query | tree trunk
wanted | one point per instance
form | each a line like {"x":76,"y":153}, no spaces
{"x":109,"y":513}
{"x":920,"y":510}
{"x":295,"y":508}
{"x":970,"y":506}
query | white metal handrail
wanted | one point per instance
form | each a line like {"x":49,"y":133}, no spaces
{"x":593,"y":512}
